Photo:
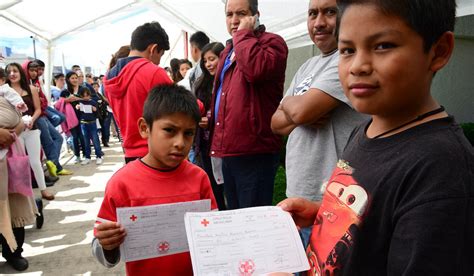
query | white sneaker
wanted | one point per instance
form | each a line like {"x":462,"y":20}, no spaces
{"x":98,"y":161}
{"x":77,"y":160}
{"x":85,"y":161}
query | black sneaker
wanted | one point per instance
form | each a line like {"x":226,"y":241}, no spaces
{"x":18,"y":263}
{"x":40,"y":218}
{"x":51,"y":179}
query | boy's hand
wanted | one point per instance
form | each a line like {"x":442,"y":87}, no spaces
{"x":302,"y":210}
{"x":94,"y":108}
{"x":110,"y":235}
{"x":78,"y":107}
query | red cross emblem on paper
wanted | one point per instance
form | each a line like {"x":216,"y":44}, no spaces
{"x":205,"y":222}
{"x":246,"y":267}
{"x":163,"y":247}
{"x":133,"y":218}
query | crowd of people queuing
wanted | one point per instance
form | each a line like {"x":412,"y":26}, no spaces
{"x":367,"y":147}
{"x":34,"y":128}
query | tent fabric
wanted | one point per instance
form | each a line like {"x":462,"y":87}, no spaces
{"x":87,"y":32}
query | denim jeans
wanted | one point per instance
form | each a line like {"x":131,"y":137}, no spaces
{"x":78,"y":141}
{"x":51,"y":140}
{"x":249,"y":179}
{"x":54,"y":116}
{"x":105,"y":130}
{"x":89,"y":130}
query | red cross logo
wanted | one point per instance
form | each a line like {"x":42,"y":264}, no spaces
{"x":205,"y":222}
{"x":133,"y":218}
{"x":163,"y":247}
{"x":246,"y":267}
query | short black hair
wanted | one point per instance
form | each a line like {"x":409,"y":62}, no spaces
{"x":199,"y":39}
{"x":149,"y":33}
{"x":253,"y":6}
{"x":40,"y":62}
{"x":57,"y":76}
{"x":168,"y":99}
{"x":76,"y":67}
{"x":429,"y":18}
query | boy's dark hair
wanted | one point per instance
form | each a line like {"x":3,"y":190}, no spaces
{"x":199,"y":39}
{"x":84,"y":92}
{"x":3,"y":75}
{"x":40,"y":63}
{"x":429,"y":18}
{"x":168,"y":99}
{"x":75,"y":67}
{"x":149,"y":33}
{"x":57,"y":76}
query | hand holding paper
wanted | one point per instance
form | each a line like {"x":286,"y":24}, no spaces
{"x":251,"y":241}
{"x":156,"y":230}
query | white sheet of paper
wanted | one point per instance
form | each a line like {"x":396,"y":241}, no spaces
{"x":251,"y":241}
{"x":156,"y":230}
{"x":85,"y":108}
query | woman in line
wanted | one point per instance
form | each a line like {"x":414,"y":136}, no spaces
{"x":70,"y":95}
{"x":203,"y":91}
{"x":30,"y":138}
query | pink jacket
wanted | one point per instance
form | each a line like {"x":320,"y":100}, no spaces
{"x":71,"y":118}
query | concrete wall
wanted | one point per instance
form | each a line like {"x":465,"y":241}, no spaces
{"x":453,"y":86}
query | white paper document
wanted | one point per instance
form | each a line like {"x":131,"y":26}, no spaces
{"x":156,"y":230}
{"x":251,"y":241}
{"x":85,"y":108}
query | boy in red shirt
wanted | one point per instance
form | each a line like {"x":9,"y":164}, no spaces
{"x":169,"y":122}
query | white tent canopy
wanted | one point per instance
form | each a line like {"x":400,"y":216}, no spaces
{"x":87,"y":32}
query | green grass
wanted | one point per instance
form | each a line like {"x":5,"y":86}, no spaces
{"x":279,"y":192}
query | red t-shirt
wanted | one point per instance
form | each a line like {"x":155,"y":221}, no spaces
{"x":136,"y":184}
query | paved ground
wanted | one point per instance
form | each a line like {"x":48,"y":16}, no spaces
{"x":62,"y":246}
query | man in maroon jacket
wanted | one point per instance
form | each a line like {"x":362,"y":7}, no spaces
{"x":247,"y":91}
{"x":127,"y":84}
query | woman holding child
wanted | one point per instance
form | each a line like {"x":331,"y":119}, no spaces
{"x":70,"y":95}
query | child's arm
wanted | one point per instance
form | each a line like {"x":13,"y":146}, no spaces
{"x":15,"y":99}
{"x":105,"y":247}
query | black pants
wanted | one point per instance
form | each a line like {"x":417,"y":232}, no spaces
{"x":19,"y":234}
{"x":249,"y":179}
